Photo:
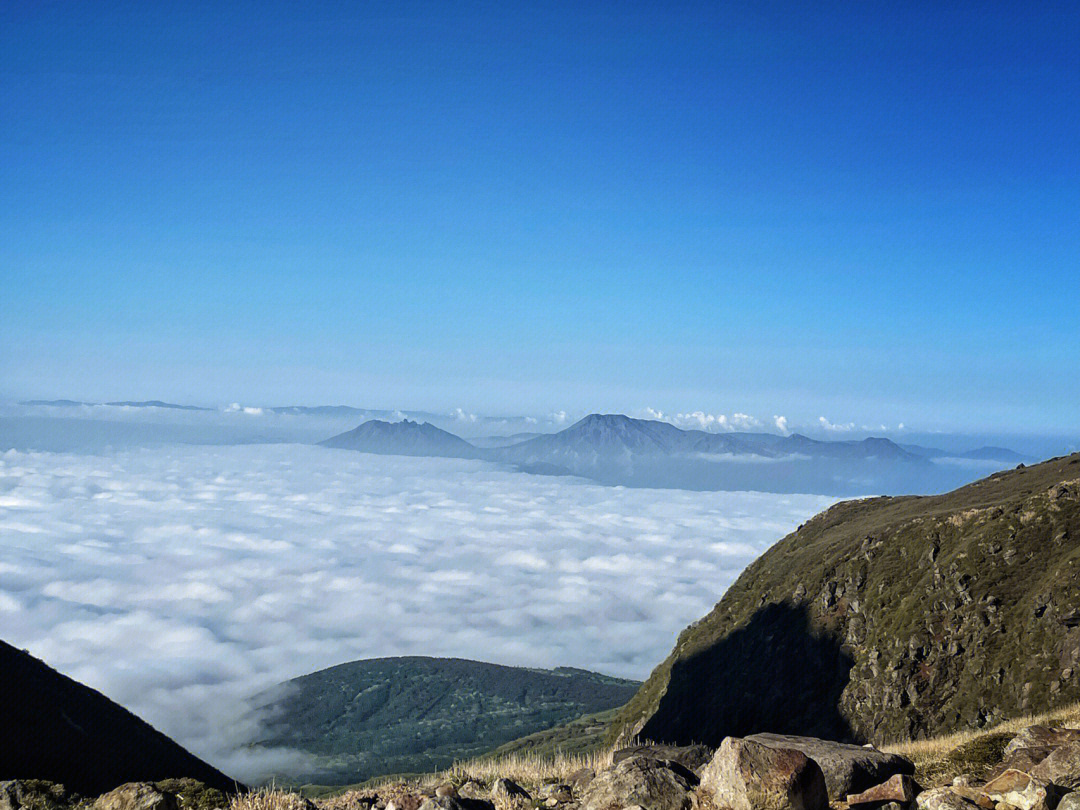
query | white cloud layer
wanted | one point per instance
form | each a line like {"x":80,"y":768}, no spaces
{"x":179,"y":580}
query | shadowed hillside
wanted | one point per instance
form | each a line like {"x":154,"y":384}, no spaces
{"x":57,"y":729}
{"x":412,"y":714}
{"x":950,"y":612}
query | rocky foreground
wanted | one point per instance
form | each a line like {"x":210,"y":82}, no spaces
{"x":1036,"y":769}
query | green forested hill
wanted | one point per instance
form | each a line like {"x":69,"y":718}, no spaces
{"x":889,"y":618}
{"x":399,"y":715}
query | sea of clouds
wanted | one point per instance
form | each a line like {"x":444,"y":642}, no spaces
{"x":181,"y":580}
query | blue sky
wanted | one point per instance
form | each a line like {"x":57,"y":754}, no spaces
{"x":869,"y":211}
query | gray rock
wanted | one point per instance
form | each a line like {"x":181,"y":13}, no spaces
{"x":1041,"y":737}
{"x":847,"y":768}
{"x":691,"y":757}
{"x":747,"y":775}
{"x":1061,"y":767}
{"x":642,"y":781}
{"x":137,"y":796}
{"x":1070,"y":801}
{"x":943,"y":798}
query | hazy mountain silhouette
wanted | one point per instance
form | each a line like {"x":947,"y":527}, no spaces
{"x":405,"y":438}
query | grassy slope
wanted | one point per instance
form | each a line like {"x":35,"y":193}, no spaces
{"x":409,"y":715}
{"x":954,"y":610}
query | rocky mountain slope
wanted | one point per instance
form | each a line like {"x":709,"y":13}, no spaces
{"x":414,"y":714}
{"x":57,"y":729}
{"x":887,"y":619}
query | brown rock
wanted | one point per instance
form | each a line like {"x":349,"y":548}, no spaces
{"x":746,"y":775}
{"x":1019,"y":759}
{"x":1022,"y":791}
{"x":137,"y":796}
{"x":446,"y":790}
{"x":897,"y":788}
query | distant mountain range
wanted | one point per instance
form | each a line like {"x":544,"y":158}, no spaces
{"x":57,"y":729}
{"x":618,"y":449}
{"x":417,"y":714}
{"x":150,"y":403}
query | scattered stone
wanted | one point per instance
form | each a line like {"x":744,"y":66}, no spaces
{"x":137,"y":796}
{"x":1061,"y":767}
{"x":557,"y":793}
{"x":455,"y":803}
{"x":580,"y":779}
{"x":405,"y":801}
{"x":897,"y":788}
{"x":691,"y":757}
{"x":748,"y":775}
{"x":471,"y":790}
{"x":847,"y":768}
{"x":639,"y":781}
{"x":943,"y":798}
{"x":1022,"y":791}
{"x":508,"y":789}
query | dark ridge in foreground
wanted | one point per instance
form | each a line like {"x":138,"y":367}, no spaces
{"x":887,"y":619}
{"x":56,"y":729}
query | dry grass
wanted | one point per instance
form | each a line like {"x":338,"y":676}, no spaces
{"x":937,"y":747}
{"x":268,"y":798}
{"x":528,"y":769}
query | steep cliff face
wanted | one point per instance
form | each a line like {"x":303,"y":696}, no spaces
{"x":889,"y":618}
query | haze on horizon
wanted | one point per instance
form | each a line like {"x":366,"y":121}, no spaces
{"x":867,"y":213}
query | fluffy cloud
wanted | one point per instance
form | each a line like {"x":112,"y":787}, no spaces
{"x":835,"y":428}
{"x":180,"y":580}
{"x":700,"y":420}
{"x":781,"y":424}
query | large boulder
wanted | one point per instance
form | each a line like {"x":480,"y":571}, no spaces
{"x":137,"y":796}
{"x":642,"y":781}
{"x":1042,"y":737}
{"x":1061,"y":767}
{"x":1022,"y":791}
{"x":1070,"y":801}
{"x":847,"y":768}
{"x":691,"y":757}
{"x":747,"y":775}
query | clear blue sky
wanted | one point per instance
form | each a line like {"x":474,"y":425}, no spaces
{"x":866,"y":210}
